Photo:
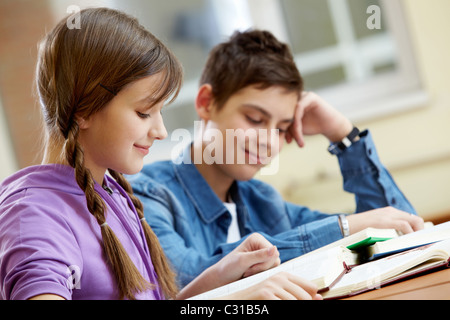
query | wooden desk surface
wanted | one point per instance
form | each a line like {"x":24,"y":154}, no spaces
{"x":432,"y":286}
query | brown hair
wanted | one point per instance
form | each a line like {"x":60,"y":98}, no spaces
{"x":79,"y":71}
{"x":254,"y":57}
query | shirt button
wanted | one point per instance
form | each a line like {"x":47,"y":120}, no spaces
{"x":394,"y":201}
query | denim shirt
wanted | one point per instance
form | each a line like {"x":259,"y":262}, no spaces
{"x":192,"y":223}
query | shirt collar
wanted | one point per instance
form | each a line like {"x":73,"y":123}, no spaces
{"x":208,"y":204}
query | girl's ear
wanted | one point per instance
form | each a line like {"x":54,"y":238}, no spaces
{"x":82,"y":123}
{"x":204,"y":102}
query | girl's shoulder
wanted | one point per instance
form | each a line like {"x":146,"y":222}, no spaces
{"x":45,"y":178}
{"x":49,"y":189}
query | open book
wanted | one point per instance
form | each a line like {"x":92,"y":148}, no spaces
{"x":339,"y":271}
{"x":375,"y":274}
{"x":323,"y":267}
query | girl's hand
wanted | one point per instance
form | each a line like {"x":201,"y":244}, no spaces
{"x":282,"y":286}
{"x":252,"y":256}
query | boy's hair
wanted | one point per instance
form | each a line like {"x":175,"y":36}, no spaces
{"x":79,"y":72}
{"x":254,"y":57}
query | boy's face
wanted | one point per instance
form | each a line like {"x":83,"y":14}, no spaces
{"x":253,"y":123}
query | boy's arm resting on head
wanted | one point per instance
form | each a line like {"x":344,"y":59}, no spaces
{"x":364,"y":175}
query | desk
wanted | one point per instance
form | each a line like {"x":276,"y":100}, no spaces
{"x":432,"y":286}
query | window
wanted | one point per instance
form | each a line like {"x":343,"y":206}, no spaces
{"x":364,"y":70}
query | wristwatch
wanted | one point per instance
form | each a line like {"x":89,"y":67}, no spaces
{"x":339,"y":147}
{"x":344,"y":225}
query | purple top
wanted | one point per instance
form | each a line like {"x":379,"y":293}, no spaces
{"x":51,"y":244}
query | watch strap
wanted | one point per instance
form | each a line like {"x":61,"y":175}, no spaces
{"x":341,"y":146}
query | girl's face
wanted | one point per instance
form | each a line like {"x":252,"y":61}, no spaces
{"x":259,"y":120}
{"x":120,"y":135}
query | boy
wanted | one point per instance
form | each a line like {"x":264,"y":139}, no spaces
{"x":202,"y":205}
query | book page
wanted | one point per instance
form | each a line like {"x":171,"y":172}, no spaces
{"x":422,"y":237}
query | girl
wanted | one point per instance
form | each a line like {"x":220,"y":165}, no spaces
{"x":68,"y":230}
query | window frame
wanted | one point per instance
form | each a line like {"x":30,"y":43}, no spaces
{"x":381,"y":95}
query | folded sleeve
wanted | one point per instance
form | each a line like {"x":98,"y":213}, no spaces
{"x":367,"y":178}
{"x":36,"y":254}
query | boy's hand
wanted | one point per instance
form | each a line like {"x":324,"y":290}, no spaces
{"x":315,"y":116}
{"x":385,"y":218}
